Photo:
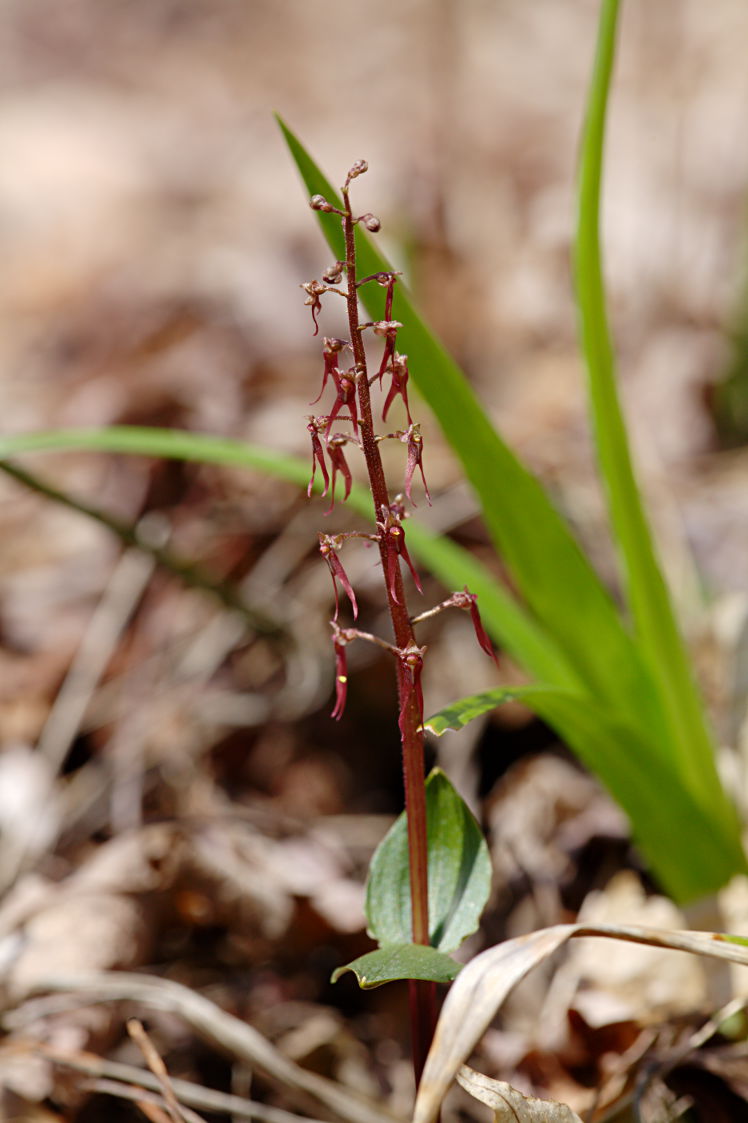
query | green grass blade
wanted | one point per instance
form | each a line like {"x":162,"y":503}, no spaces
{"x":547,"y":566}
{"x":654,"y":620}
{"x":509,"y":624}
{"x":690,"y":846}
{"x":169,"y":444}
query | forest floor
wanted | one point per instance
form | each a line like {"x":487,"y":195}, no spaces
{"x":175,"y":802}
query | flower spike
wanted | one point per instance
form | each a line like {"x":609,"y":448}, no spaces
{"x":328,"y":547}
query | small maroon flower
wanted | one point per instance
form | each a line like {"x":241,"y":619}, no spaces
{"x":314,"y":291}
{"x":389,"y":329}
{"x":358,"y":168}
{"x":399,"y":385}
{"x":334,"y":273}
{"x":345,"y":384}
{"x":397,"y":507}
{"x":412,"y":437}
{"x":469,"y":601}
{"x":318,"y":456}
{"x":330,"y":351}
{"x":338,"y":463}
{"x":328,"y":547}
{"x":411,"y":661}
{"x":370,"y":221}
{"x":340,"y":641}
{"x":394,"y":543}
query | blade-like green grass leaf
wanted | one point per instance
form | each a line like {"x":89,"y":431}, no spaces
{"x":400,"y":961}
{"x":690,"y":849}
{"x":173,"y":444}
{"x":459,"y":873}
{"x":651,"y":608}
{"x":510,"y":625}
{"x":545,"y":561}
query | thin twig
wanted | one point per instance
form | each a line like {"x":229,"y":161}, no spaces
{"x":137,"y":537}
{"x":194,"y":1095}
{"x":222,"y":1030}
{"x":150,"y":1103}
{"x":122,"y":594}
{"x":155,"y":1063}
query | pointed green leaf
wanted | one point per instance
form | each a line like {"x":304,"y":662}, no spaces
{"x":400,"y":961}
{"x":508,"y":622}
{"x":693,"y":851}
{"x":459,"y":873}
{"x":651,"y":607}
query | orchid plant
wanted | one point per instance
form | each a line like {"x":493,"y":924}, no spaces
{"x":349,"y":425}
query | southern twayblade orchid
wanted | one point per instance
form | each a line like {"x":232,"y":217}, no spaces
{"x":328,"y":546}
{"x":413,"y":439}
{"x":393,"y":537}
{"x":318,"y":457}
{"x":352,"y":404}
{"x":398,"y":386}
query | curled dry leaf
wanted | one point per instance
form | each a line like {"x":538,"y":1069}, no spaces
{"x":484,"y":983}
{"x":509,"y":1105}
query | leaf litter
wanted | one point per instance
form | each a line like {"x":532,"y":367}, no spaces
{"x":202,"y":825}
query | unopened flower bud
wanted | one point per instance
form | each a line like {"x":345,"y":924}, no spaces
{"x":333,"y":275}
{"x":386,"y":327}
{"x":358,"y":168}
{"x":313,"y":288}
{"x":371,"y":222}
{"x":320,"y":203}
{"x":397,"y":507}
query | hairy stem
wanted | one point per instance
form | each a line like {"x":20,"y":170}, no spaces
{"x":422,"y":995}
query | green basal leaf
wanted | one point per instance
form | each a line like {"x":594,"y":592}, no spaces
{"x":400,"y":961}
{"x":459,"y":873}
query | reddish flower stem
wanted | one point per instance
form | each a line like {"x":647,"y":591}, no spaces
{"x":422,"y":995}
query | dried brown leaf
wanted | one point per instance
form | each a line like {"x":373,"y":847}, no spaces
{"x":509,"y":1105}
{"x":484,"y":983}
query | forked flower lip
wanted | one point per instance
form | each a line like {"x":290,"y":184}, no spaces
{"x":328,"y":547}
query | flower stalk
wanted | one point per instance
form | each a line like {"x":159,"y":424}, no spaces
{"x":353,"y":406}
